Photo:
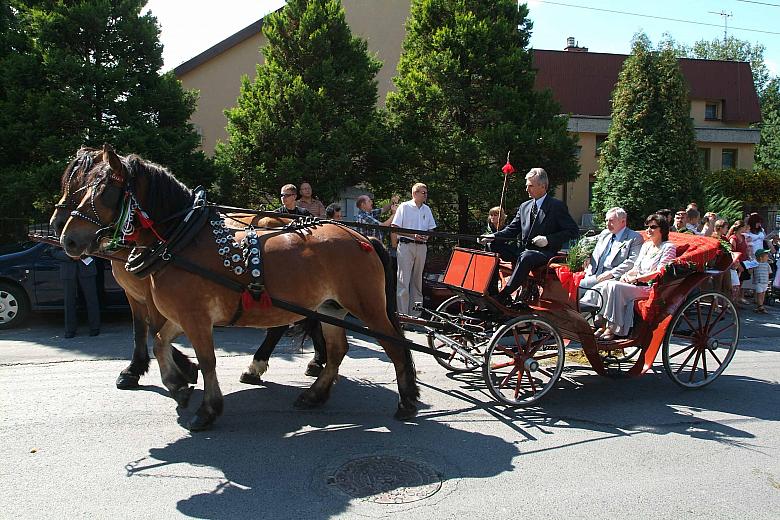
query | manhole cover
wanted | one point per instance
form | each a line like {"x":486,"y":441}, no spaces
{"x":386,"y":480}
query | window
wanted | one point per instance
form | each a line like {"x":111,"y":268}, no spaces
{"x":600,"y":139}
{"x":704,"y":158}
{"x":577,"y":152}
{"x":728,"y":158}
{"x":711,"y":112}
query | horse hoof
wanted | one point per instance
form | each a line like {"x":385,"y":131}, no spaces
{"x":313,"y":369}
{"x":306,"y":401}
{"x":182,"y":396}
{"x":405,"y":412}
{"x":250,"y":379}
{"x":201,"y":422}
{"x":192,"y":373}
{"x":127,"y":381}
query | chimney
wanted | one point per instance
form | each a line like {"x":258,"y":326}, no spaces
{"x":572,"y":46}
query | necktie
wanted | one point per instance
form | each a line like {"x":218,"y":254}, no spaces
{"x":604,"y":254}
{"x":534,"y":211}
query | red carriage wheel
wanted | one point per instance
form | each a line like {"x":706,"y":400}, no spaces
{"x":524,"y":360}
{"x":701,"y":340}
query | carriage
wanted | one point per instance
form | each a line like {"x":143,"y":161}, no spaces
{"x":522,"y":353}
{"x":186,"y":271}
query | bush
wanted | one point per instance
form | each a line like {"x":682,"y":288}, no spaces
{"x":751,"y":187}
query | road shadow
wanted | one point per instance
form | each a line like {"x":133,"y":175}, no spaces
{"x":278,"y":463}
{"x":651,"y":404}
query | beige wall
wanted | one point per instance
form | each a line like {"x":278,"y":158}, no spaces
{"x":745,"y":154}
{"x":698,"y":110}
{"x":218,"y":80}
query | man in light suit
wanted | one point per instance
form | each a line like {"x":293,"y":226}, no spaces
{"x":543,"y":225}
{"x":617,"y":248}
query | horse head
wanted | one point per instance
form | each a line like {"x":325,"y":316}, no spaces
{"x":99,"y":198}
{"x":72,"y":184}
{"x":120,"y":200}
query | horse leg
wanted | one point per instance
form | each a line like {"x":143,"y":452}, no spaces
{"x":172,"y":377}
{"x":314,"y":329}
{"x":406,"y":375}
{"x":336,"y":343}
{"x":259,"y":364}
{"x":203,"y":341}
{"x":129,"y":377}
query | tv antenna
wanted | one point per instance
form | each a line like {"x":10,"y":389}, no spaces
{"x":726,"y":17}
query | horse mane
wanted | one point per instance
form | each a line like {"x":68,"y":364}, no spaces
{"x":166,"y":194}
{"x":82,"y":164}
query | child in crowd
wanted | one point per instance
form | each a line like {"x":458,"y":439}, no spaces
{"x":761,"y":278}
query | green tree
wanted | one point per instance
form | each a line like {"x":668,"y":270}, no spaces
{"x":768,"y":150}
{"x":649,"y":160}
{"x":464,"y":97}
{"x":732,"y":49}
{"x":85,"y":73}
{"x":310,"y":114}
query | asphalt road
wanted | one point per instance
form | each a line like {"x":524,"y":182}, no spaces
{"x":72,"y":445}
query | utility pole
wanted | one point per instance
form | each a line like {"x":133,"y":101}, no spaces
{"x":726,"y":17}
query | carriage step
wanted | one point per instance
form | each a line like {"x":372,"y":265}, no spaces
{"x":614,"y":344}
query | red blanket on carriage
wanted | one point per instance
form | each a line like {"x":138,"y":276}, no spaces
{"x":693,"y":251}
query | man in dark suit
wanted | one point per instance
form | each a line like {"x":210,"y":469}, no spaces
{"x":542,"y":225}
{"x":74,"y":274}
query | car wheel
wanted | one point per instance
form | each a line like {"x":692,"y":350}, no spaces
{"x":14,"y":306}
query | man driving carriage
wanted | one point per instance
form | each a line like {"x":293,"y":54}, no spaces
{"x":542,"y":225}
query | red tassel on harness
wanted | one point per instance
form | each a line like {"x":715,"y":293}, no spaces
{"x":365,"y":246}
{"x":248,"y":301}
{"x":144,"y":219}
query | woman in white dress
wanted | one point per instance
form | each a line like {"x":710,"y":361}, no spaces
{"x":617,"y":296}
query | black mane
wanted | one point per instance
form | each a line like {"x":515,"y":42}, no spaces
{"x":166,"y":194}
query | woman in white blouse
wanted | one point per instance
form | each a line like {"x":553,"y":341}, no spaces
{"x":618,"y":296}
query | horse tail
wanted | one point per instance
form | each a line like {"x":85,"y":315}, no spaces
{"x":391,"y":283}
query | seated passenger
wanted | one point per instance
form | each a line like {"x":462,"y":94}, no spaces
{"x":617,"y":248}
{"x":617,"y":305}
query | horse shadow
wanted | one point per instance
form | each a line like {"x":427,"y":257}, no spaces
{"x":281,"y":464}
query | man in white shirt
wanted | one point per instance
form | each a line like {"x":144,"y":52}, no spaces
{"x":412,"y":248}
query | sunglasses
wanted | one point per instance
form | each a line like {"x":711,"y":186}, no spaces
{"x":285,"y":195}
{"x":653,"y":226}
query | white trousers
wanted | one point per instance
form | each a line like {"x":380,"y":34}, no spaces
{"x":411,"y":261}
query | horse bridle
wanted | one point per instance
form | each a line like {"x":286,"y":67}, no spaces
{"x":124,"y":195}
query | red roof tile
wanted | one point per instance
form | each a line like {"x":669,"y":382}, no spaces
{"x":582,"y":82}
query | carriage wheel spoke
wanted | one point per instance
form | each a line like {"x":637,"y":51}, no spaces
{"x":531,"y":379}
{"x":681,"y":351}
{"x":686,"y":361}
{"x":693,"y":327}
{"x":727,"y":327}
{"x":507,"y":378}
{"x":546,"y":356}
{"x":704,"y":362}
{"x":695,"y":364}
{"x":715,"y":356}
{"x":709,"y":313}
{"x":498,"y":366}
{"x":519,"y":382}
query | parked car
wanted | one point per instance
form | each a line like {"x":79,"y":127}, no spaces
{"x":30,"y":281}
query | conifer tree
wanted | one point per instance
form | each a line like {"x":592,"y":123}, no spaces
{"x":310,"y":114}
{"x":768,"y":150}
{"x":465,"y":96}
{"x":649,"y":160}
{"x":85,"y":73}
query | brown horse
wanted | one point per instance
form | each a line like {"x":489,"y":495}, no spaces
{"x":137,"y":290}
{"x":144,"y":313}
{"x":325,"y":267}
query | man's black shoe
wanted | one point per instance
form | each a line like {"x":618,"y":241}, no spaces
{"x":69,"y":335}
{"x":95,"y":332}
